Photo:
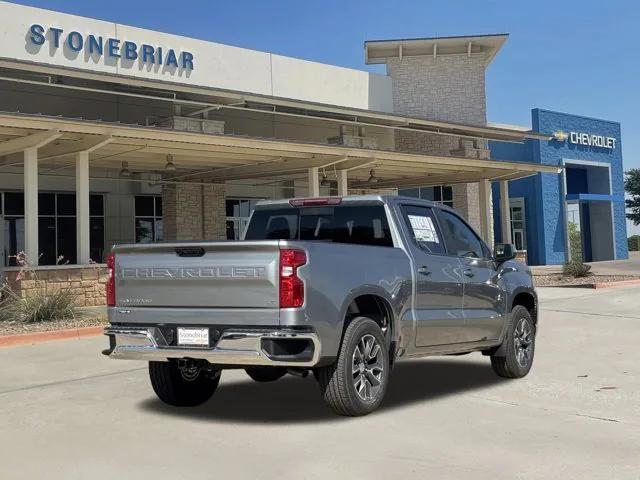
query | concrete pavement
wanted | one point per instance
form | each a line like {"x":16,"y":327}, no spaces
{"x":66,"y":412}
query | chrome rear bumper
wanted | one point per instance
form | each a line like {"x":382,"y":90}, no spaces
{"x":235,"y":347}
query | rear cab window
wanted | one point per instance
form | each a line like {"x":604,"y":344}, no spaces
{"x":357,"y":224}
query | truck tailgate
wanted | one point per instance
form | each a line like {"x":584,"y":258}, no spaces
{"x":214,"y":275}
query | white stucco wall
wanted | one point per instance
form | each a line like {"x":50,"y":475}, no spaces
{"x":215,"y":65}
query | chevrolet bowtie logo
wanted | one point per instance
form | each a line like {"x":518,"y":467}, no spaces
{"x":560,"y":136}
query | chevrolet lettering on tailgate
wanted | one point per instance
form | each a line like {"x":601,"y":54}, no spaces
{"x":193,"y":272}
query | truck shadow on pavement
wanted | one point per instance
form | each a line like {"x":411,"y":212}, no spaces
{"x":293,"y":399}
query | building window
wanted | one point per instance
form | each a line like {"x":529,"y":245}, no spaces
{"x":238,"y":213}
{"x":12,"y":208}
{"x":518,"y":227}
{"x":148,"y":218}
{"x":56,"y":227}
{"x":439,"y":194}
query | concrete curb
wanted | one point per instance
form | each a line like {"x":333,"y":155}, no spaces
{"x":621,"y":283}
{"x":41,"y":337}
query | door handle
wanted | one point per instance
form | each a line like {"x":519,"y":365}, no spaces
{"x":467,"y":272}
{"x":424,"y":270}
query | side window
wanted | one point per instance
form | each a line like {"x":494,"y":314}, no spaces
{"x":424,"y":228}
{"x":460,"y":239}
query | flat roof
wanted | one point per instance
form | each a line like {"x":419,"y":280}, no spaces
{"x":379,"y":51}
{"x":199,"y":98}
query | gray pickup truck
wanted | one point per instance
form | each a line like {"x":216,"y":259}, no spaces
{"x":341,"y":287}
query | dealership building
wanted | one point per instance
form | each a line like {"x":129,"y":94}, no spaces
{"x":111,"y":134}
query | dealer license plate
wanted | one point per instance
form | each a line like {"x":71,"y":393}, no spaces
{"x":193,"y":336}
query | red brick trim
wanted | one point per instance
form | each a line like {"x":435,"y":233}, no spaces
{"x":40,"y":337}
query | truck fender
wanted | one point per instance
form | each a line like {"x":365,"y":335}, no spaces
{"x":378,"y":292}
{"x":501,"y":350}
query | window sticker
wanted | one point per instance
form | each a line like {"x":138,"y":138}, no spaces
{"x":423,"y":229}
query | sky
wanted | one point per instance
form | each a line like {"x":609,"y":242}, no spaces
{"x":580,"y":57}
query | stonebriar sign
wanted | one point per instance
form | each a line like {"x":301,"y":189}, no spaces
{"x":113,"y":48}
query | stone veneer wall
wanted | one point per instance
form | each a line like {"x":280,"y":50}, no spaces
{"x":215,"y":212}
{"x":86,"y":283}
{"x":448,"y":88}
{"x":193,"y":211}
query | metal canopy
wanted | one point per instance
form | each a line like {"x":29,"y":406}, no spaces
{"x":219,"y":158}
{"x":197,"y":100}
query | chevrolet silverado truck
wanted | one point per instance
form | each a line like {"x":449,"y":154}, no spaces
{"x":340,"y":287}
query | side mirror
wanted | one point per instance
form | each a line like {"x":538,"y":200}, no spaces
{"x":503,"y":252}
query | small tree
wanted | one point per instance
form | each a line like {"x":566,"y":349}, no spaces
{"x":575,"y":243}
{"x":632,"y":187}
{"x":634,"y":243}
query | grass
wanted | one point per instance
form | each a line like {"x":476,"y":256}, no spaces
{"x":40,"y":306}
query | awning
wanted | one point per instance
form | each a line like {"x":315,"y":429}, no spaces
{"x":220,"y":158}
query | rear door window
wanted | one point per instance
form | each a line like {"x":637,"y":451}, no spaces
{"x":362,"y":225}
{"x":424,"y":229}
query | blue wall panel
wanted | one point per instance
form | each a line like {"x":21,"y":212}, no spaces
{"x":544,"y":205}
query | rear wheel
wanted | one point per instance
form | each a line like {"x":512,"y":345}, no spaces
{"x":266,"y":374}
{"x":516,"y":357}
{"x":356,"y":383}
{"x":183,"y":385}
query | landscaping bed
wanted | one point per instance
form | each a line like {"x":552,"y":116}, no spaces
{"x":17,"y":328}
{"x":590,"y":281}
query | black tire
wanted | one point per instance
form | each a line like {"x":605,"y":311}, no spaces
{"x":512,"y":361}
{"x":266,"y":374}
{"x":338,"y":381}
{"x":173,"y":388}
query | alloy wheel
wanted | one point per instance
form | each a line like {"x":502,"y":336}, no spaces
{"x":367,"y":368}
{"x":523,"y":342}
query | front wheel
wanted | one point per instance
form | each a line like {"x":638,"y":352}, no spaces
{"x":182,"y":386}
{"x":356,"y":383}
{"x":516,"y":357}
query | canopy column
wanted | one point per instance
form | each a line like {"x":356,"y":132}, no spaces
{"x":82,"y":208}
{"x":505,"y":211}
{"x":343,"y":185}
{"x":486,"y":216}
{"x":31,"y":205}
{"x":314,"y":182}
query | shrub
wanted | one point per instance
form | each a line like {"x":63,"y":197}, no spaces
{"x":39,"y":306}
{"x":576,"y":269}
{"x":634,"y":243}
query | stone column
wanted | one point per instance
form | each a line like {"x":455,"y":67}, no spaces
{"x":214,"y":212}
{"x":448,"y":88}
{"x":182,"y":211}
{"x":193,"y":211}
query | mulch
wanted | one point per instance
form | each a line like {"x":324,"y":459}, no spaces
{"x":17,"y":328}
{"x":591,"y":281}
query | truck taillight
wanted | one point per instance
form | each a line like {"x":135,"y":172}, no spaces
{"x":291,"y":286}
{"x":111,"y":280}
